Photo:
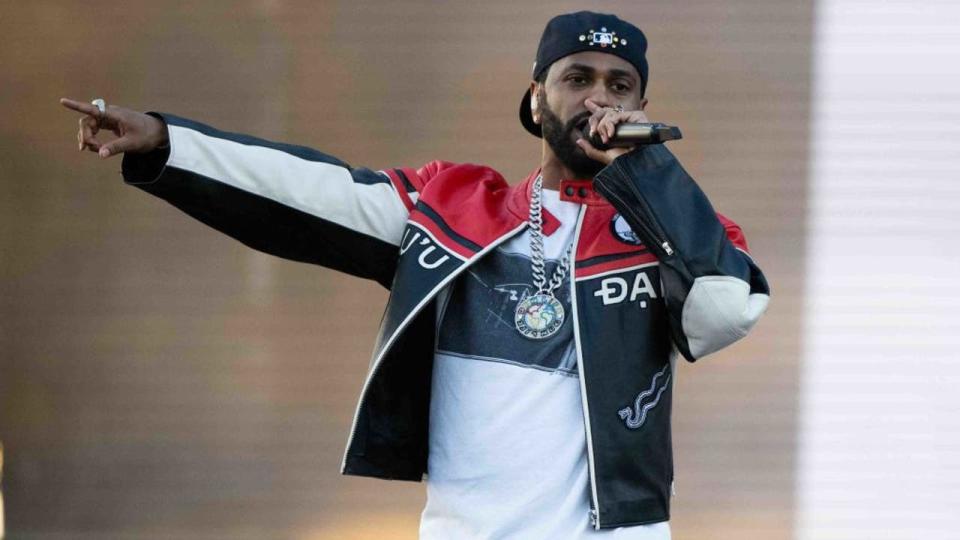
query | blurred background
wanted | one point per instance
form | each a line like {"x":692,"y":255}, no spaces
{"x":160,"y":380}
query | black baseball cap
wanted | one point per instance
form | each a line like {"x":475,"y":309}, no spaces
{"x":586,"y":31}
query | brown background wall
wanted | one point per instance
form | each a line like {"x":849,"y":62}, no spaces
{"x":158,"y":379}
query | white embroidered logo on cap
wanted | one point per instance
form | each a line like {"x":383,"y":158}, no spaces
{"x":603,"y":38}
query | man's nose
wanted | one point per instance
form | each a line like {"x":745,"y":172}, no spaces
{"x":601,"y":95}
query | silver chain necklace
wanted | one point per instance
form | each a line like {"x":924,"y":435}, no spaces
{"x":540,"y":315}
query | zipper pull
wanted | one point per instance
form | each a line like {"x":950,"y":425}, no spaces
{"x":666,"y":247}
{"x":594,"y":519}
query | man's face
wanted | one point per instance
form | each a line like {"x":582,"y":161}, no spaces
{"x":604,"y":78}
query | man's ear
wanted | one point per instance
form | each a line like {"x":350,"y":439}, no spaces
{"x":643,"y":103}
{"x":534,"y":103}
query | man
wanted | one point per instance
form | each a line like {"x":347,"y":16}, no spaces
{"x":525,"y":358}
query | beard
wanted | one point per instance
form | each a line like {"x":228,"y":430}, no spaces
{"x":559,"y":136}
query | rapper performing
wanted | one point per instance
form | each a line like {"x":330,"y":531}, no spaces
{"x":526,"y":359}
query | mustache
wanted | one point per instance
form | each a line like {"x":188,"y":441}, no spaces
{"x":579,"y":121}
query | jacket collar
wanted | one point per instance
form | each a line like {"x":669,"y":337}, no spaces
{"x":578,"y":191}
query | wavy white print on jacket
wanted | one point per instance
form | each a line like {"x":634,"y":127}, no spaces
{"x":635,"y":416}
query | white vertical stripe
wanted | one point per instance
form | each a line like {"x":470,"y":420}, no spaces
{"x":320,"y":189}
{"x":594,"y":499}
{"x":879,"y":454}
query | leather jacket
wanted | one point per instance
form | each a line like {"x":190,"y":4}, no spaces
{"x":656,"y":271}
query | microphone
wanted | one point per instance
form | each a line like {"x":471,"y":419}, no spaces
{"x":628,"y":135}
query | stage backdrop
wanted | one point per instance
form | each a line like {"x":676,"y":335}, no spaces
{"x":160,"y":380}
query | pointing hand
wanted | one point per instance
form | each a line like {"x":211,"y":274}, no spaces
{"x":136,"y":132}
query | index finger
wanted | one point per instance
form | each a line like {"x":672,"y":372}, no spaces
{"x":81,"y":107}
{"x":637,"y":116}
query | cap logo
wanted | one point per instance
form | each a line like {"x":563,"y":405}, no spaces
{"x":602,"y":38}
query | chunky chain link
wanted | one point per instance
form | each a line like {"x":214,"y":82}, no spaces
{"x":537,"y":256}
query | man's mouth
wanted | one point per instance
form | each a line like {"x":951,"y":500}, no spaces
{"x":583,"y":127}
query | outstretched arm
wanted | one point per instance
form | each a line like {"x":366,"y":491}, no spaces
{"x":286,"y":200}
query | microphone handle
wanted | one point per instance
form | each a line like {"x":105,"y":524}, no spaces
{"x":628,"y":135}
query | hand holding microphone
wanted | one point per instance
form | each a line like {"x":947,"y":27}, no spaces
{"x":613,"y":131}
{"x":632,"y":134}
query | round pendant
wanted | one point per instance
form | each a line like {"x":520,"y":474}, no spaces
{"x":539,"y":316}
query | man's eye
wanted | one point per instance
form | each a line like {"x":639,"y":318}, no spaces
{"x":621,"y":88}
{"x":578,"y":80}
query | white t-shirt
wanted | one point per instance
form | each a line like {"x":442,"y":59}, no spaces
{"x":508,"y":452}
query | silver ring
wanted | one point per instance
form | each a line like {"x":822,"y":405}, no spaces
{"x":618,"y":108}
{"x":101,"y":106}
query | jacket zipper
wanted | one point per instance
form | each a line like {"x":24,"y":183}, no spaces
{"x":650,"y":227}
{"x":594,"y":504}
{"x":389,"y":343}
